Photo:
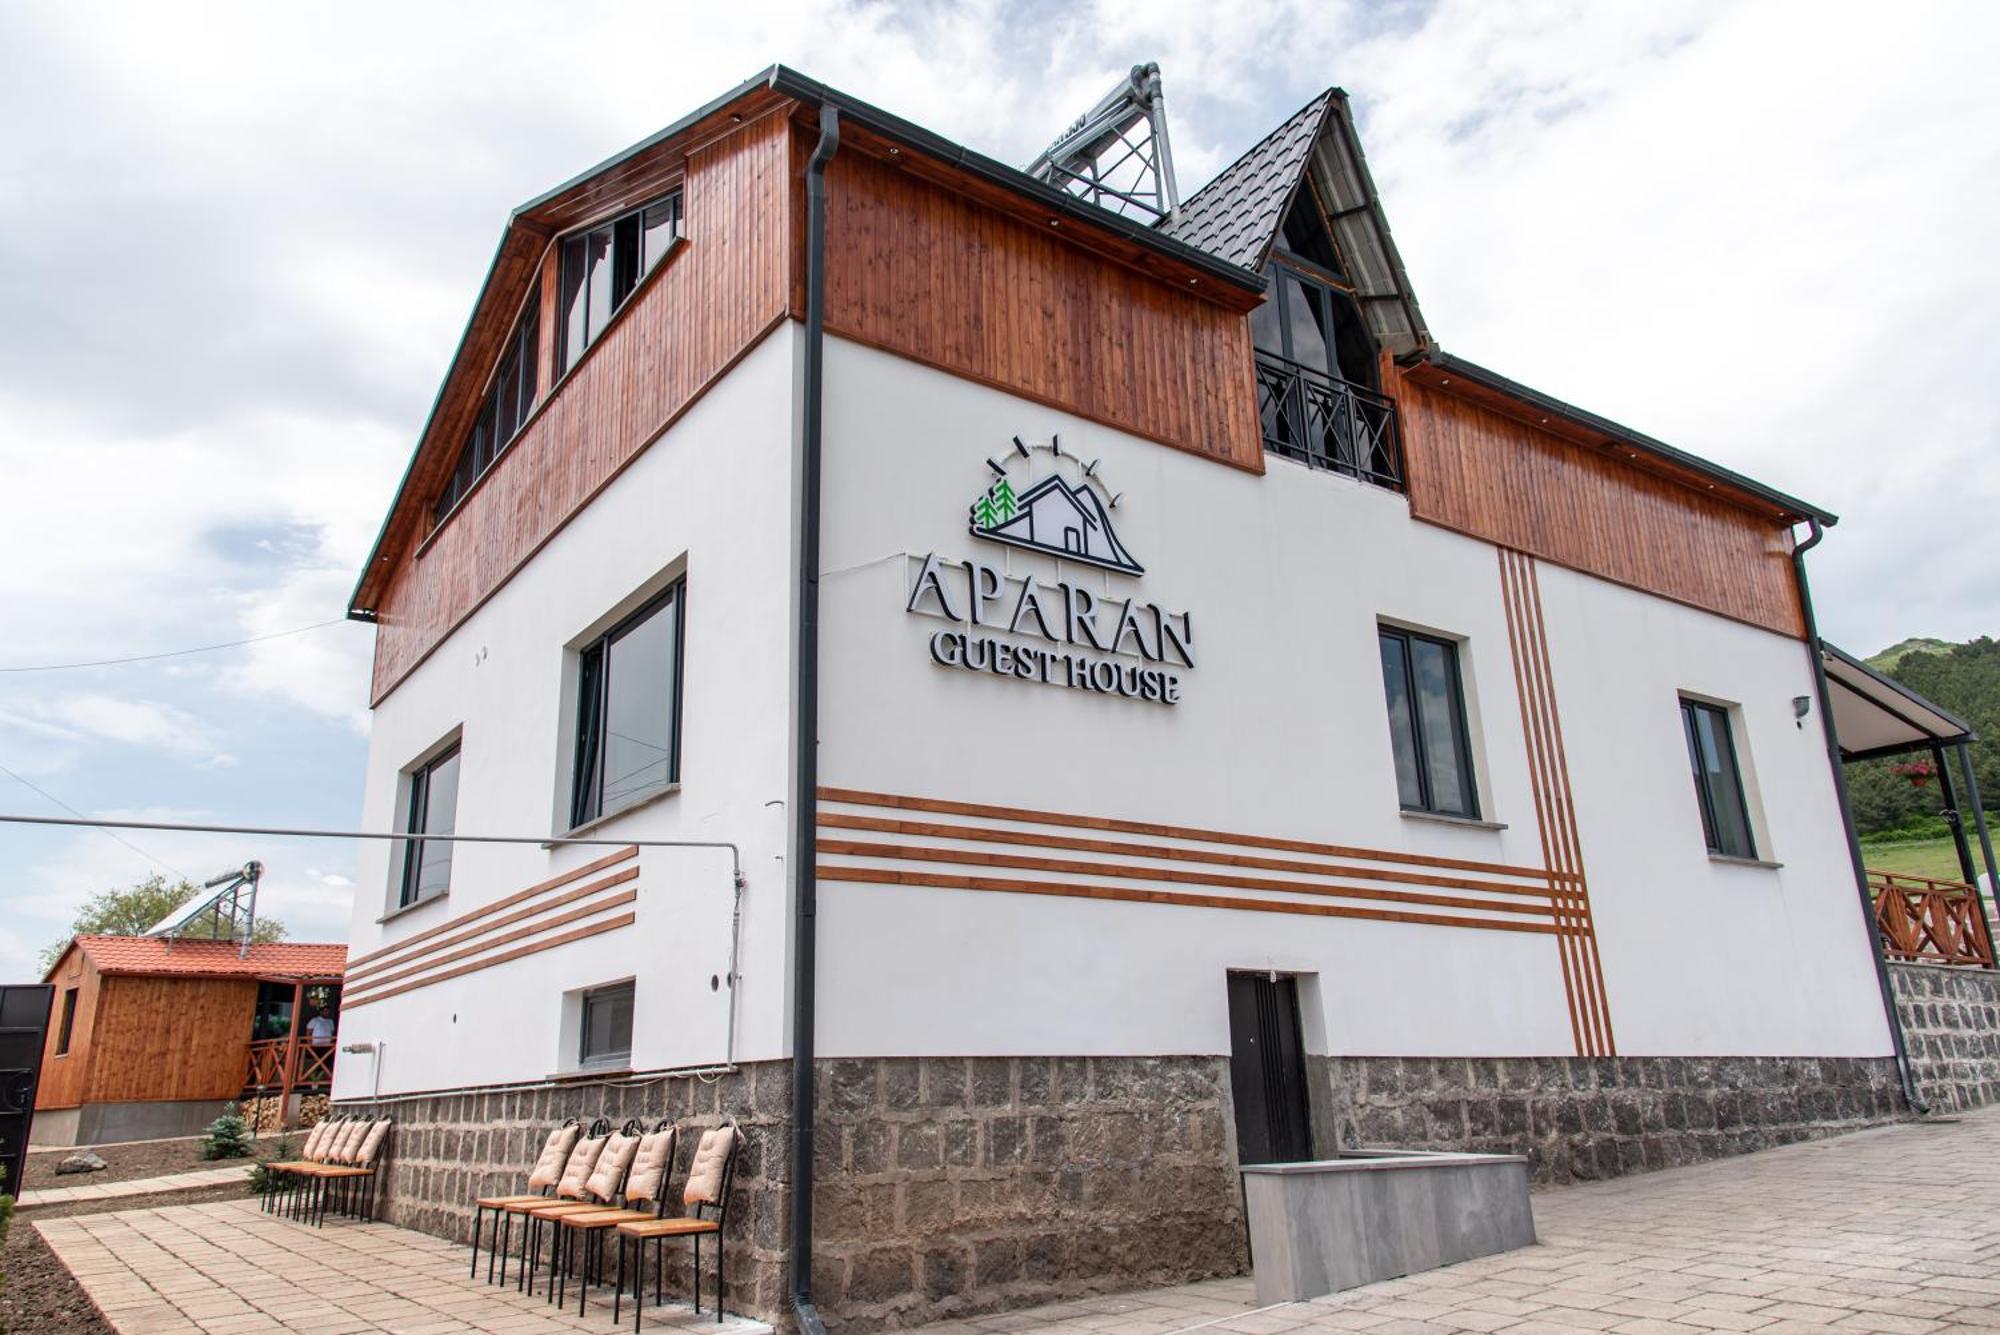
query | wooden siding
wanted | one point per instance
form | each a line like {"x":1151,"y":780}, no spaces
{"x":64,"y":1078}
{"x":1484,"y":472}
{"x":707,"y":304}
{"x":936,"y":275}
{"x":171,"y":1038}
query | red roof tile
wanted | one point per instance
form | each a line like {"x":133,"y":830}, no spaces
{"x":212,"y":959}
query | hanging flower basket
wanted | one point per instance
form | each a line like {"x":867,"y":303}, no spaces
{"x":1918,"y":772}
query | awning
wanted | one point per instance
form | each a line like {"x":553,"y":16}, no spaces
{"x":1874,"y":716}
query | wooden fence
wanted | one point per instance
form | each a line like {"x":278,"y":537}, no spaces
{"x":1926,"y":921}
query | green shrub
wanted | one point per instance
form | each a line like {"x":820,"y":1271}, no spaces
{"x":228,"y":1137}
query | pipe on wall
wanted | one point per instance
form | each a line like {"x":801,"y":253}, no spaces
{"x":805,"y":768}
{"x":1824,"y":697}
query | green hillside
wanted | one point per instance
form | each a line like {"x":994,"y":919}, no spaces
{"x":1963,"y":678}
{"x":1888,"y":658}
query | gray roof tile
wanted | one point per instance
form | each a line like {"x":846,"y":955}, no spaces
{"x":1235,"y":216}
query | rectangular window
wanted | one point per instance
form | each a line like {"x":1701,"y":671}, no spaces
{"x":628,"y":711}
{"x":433,"y":809}
{"x":68,"y":1021}
{"x":1718,"y":784}
{"x":601,"y":267}
{"x":1427,"y":729}
{"x":502,"y":413}
{"x":607,"y":1026}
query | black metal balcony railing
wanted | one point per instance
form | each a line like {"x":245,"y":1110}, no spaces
{"x":1325,"y":422}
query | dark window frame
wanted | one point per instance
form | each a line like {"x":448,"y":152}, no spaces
{"x":417,"y":820}
{"x":520,"y":362}
{"x":1698,"y":760}
{"x":609,"y":994}
{"x":1461,"y":724}
{"x":632,"y":250}
{"x":586,"y":793}
{"x":66,"y":1030}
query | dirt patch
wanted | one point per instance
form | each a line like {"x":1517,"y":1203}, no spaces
{"x":147,"y":1158}
{"x":41,"y":1296}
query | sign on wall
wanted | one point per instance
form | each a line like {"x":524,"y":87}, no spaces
{"x":1061,"y":633}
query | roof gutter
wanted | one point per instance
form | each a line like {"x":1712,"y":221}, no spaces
{"x":805,"y":739}
{"x":1814,"y":649}
{"x":1800,"y":511}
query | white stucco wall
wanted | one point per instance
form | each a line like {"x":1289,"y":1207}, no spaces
{"x":1282,"y":732}
{"x":712,"y":496}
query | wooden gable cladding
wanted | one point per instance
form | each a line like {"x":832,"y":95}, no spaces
{"x":66,"y":1076}
{"x":711,"y":299}
{"x":1493,"y":475}
{"x":920,"y":267}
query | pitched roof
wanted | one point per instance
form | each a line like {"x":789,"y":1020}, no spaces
{"x":151,"y":955}
{"x":1235,"y":216}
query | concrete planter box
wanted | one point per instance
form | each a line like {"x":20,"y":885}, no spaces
{"x":1370,"y":1215}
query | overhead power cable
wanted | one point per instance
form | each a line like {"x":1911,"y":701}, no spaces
{"x":85,"y":820}
{"x":175,"y":653}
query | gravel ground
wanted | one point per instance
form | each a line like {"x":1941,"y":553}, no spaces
{"x":40,"y":1297}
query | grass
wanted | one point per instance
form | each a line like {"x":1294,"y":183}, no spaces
{"x":1920,"y":857}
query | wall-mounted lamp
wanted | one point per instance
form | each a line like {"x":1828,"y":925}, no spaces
{"x":1801,"y":706}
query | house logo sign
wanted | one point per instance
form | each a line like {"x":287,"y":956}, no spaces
{"x":1070,"y":520}
{"x":1063,"y":633}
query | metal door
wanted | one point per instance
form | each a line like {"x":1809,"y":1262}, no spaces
{"x":1267,"y":1068}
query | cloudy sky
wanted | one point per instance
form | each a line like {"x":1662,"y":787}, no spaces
{"x":238,"y":244}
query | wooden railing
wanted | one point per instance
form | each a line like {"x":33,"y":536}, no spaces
{"x":1928,"y":921}
{"x":311,"y":1066}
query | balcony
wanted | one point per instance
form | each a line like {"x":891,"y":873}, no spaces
{"x":1323,"y":421}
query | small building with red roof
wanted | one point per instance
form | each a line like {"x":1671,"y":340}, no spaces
{"x":151,"y":1036}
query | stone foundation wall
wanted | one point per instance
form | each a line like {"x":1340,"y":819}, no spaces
{"x":957,"y":1186}
{"x":1580,"y":1119}
{"x":1951,"y":1026}
{"x":952,"y":1186}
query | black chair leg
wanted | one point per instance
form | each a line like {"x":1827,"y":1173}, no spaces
{"x":697,"y":1274}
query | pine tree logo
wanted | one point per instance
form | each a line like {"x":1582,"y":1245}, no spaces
{"x":996,"y":506}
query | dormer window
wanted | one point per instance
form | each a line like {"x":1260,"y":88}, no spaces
{"x":509,"y":401}
{"x":602,"y":265}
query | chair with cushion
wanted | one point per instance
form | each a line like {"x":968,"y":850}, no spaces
{"x":705,"y":1197}
{"x":648,"y":1172}
{"x":598,"y":1194}
{"x":340,"y":1174}
{"x":571,"y":1192}
{"x":542,"y":1179}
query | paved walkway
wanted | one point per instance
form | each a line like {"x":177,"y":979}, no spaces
{"x":86,"y":1190}
{"x":229,"y":1268}
{"x":1891,"y":1230}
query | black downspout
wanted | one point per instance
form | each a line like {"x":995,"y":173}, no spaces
{"x":805,"y":795}
{"x":1839,"y":767}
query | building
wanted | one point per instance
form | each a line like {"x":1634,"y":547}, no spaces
{"x":150,"y":1037}
{"x":1242,"y":728}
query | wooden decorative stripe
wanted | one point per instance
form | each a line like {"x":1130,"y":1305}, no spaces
{"x":854,"y":797}
{"x":480,"y":947}
{"x":520,"y":952}
{"x":938,"y":881}
{"x":1171,"y":875}
{"x":354,"y":966}
{"x":617,"y":878}
{"x":1119,"y":848}
{"x":1555,"y":809}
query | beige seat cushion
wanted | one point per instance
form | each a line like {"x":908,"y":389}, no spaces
{"x":555,"y":1153}
{"x":609,"y":1175}
{"x":576,"y":1172}
{"x":348,"y":1145}
{"x":651,"y":1166}
{"x":316,"y":1138}
{"x":704,"y":1180}
{"x":371,"y":1144}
